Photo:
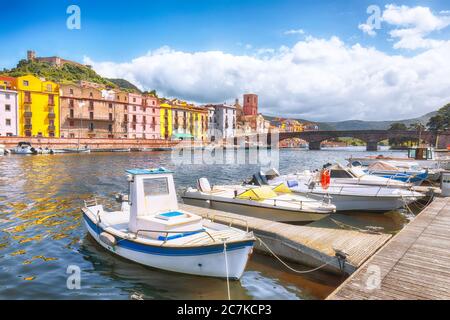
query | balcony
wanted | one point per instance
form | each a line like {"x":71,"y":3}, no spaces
{"x":51,"y":103}
{"x":27,"y":101}
{"x":51,"y":128}
{"x":88,"y":118}
{"x":51,"y":115}
{"x":28,"y":127}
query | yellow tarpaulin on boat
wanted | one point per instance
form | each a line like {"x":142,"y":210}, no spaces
{"x":262,"y":193}
{"x":282,"y":188}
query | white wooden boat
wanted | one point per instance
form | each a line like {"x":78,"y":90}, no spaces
{"x":275,"y":204}
{"x":152,"y":230}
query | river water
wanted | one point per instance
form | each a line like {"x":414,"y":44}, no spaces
{"x":41,"y":234}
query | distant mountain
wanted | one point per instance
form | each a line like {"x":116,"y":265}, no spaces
{"x":364,"y":125}
{"x":372,"y":125}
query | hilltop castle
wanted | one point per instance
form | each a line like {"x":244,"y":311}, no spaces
{"x":54,"y":61}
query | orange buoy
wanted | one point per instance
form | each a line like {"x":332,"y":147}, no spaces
{"x":325,"y":179}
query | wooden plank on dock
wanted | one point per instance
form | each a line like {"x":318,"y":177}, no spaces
{"x":415,"y":264}
{"x":311,"y":246}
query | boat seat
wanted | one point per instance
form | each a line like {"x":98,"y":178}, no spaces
{"x":204,"y":186}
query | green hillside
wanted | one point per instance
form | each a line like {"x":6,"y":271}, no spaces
{"x":68,"y":73}
{"x":124,"y":84}
{"x":63,"y":74}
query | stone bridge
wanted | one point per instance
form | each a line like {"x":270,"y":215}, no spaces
{"x":371,"y":137}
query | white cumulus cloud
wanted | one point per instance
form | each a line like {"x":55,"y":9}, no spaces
{"x":413,"y":25}
{"x":317,"y":79}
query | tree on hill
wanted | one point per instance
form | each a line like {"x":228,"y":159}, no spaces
{"x":398,"y":126}
{"x":441,"y":121}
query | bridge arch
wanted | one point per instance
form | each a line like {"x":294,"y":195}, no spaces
{"x":371,"y":137}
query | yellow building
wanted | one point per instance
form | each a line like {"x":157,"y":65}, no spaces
{"x":291,"y":126}
{"x":166,"y":121}
{"x":38,"y":107}
{"x":200,"y":118}
{"x":183,"y":121}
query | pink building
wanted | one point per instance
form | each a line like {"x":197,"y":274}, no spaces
{"x":143,"y":117}
{"x":8,"y":107}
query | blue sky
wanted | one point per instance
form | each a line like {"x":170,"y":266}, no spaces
{"x":121,"y":30}
{"x":215,"y":47}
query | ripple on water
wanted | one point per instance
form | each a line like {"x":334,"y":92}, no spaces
{"x":41,"y":232}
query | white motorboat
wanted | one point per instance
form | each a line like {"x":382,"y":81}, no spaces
{"x":275,"y":204}
{"x":350,"y":197}
{"x":340,"y":174}
{"x":150,"y":229}
{"x":424,"y":157}
{"x":415,"y":175}
{"x":41,"y":150}
{"x":24,"y":148}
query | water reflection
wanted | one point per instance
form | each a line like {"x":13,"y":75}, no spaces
{"x":41,"y":233}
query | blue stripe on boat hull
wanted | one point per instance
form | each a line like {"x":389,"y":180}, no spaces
{"x":165,"y":251}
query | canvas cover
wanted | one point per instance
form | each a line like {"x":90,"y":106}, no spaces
{"x":382,"y":166}
{"x":282,"y":188}
{"x":258,"y":194}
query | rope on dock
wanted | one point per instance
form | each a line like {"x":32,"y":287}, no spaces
{"x":298,"y":271}
{"x":349,"y":227}
{"x":226,"y":268}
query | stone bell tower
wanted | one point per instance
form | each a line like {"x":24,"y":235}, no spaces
{"x":250,"y":105}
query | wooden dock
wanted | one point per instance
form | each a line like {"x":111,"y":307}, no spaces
{"x":310,"y":246}
{"x":414,"y":265}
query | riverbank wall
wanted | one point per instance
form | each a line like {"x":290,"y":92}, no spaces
{"x":94,"y":144}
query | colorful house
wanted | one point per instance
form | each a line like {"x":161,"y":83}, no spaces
{"x":188,"y":121}
{"x":166,"y":120}
{"x":8,"y":106}
{"x":38,"y":112}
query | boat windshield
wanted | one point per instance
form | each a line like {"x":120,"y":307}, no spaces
{"x":156,"y":187}
{"x":340,"y":173}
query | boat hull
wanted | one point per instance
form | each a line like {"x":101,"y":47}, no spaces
{"x":202,"y":261}
{"x":272,"y":214}
{"x":363,"y":203}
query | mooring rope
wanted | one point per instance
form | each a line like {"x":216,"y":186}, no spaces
{"x":292,"y":269}
{"x":226,"y":268}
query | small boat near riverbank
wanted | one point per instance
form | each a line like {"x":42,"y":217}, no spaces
{"x":150,"y":229}
{"x":348,"y":197}
{"x":2,"y":150}
{"x":424,"y":157}
{"x":24,"y":148}
{"x":275,"y":204}
{"x":352,"y":175}
{"x":382,"y":169}
{"x":74,"y":150}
